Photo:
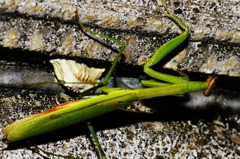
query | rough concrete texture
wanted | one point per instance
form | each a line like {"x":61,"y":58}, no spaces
{"x":50,"y":27}
{"x":184,"y":126}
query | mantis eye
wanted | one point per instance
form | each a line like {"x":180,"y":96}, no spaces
{"x":211,"y":83}
{"x":71,"y":71}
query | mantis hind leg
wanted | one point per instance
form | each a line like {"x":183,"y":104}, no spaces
{"x":107,"y":77}
{"x":95,"y":138}
{"x":110,"y":72}
{"x":163,"y":51}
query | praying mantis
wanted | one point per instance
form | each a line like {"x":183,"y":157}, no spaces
{"x":113,"y":98}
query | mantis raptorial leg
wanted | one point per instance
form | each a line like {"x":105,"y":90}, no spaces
{"x":82,"y":110}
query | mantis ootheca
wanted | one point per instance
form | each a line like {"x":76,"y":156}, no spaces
{"x":114,"y":98}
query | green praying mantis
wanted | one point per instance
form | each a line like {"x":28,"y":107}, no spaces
{"x":113,"y":98}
